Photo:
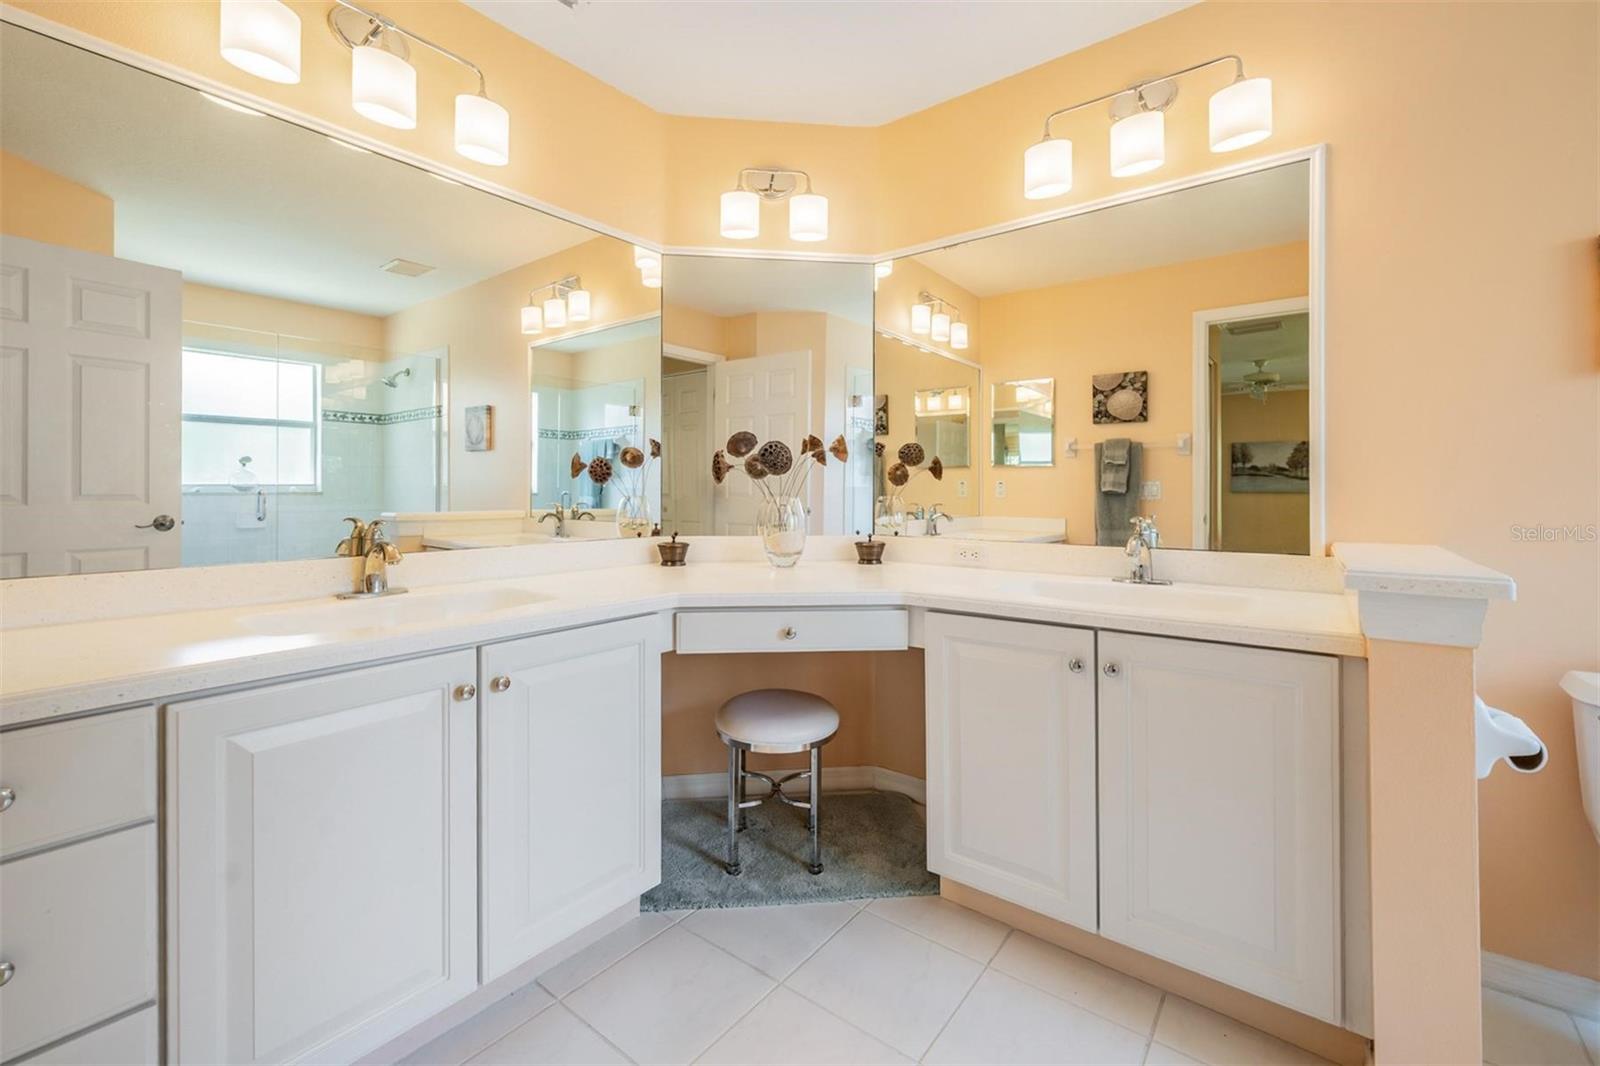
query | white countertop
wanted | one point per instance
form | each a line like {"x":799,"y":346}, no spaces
{"x":60,"y":669}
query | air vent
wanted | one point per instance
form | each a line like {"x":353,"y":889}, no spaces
{"x":1260,"y":325}
{"x":407,"y":268}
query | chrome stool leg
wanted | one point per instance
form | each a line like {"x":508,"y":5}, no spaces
{"x":735,"y":791}
{"x":744,"y":822}
{"x":812,"y":815}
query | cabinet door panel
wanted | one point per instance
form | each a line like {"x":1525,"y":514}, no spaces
{"x":1011,"y":751}
{"x":325,"y":861}
{"x":1219,"y":813}
{"x":571,"y":783}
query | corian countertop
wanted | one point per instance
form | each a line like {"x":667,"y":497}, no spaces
{"x":60,"y":669}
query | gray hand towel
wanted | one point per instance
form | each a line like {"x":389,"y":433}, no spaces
{"x":1112,"y":510}
{"x":1112,"y":460}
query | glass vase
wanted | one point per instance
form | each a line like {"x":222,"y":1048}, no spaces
{"x":633,"y":516}
{"x":889,"y":516}
{"x":781,"y":524}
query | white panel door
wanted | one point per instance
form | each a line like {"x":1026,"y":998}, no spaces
{"x":571,"y":783}
{"x":769,"y":395}
{"x":685,"y":468}
{"x":1011,"y":750}
{"x":323,"y":838}
{"x":1219,"y":833}
{"x":90,"y":370}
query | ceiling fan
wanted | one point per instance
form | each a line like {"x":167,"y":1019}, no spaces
{"x":1258,"y":382}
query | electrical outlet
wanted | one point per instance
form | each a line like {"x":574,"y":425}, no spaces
{"x":1000,"y":490}
{"x":1151,"y":490}
{"x":961,"y":488}
{"x":969,"y":553}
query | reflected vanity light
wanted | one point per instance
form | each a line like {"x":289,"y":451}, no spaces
{"x":262,"y":37}
{"x":883,"y":269}
{"x":650,"y":273}
{"x":739,"y":216}
{"x":555,"y":312}
{"x":578,"y":305}
{"x":935,"y":318}
{"x":383,"y":83}
{"x":958,"y":336}
{"x":569,"y":302}
{"x":1240,"y":115}
{"x":532,"y":318}
{"x":939,"y":329}
{"x":921,"y":319}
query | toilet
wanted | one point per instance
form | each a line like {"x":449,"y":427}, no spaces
{"x":1584,"y":688}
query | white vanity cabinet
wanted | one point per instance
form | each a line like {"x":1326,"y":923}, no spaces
{"x":322,"y":843}
{"x":571,"y":803}
{"x":1219,"y":813}
{"x":1011,"y":761}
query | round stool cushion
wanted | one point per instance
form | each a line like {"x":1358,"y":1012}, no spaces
{"x":777,"y":720}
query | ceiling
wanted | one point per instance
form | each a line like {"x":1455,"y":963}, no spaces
{"x":849,"y":64}
{"x":728,"y":286}
{"x":1255,"y":210}
{"x":1286,"y":349}
{"x":251,"y":203}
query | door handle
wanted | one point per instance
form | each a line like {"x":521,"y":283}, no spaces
{"x":788,"y":632}
{"x":161,"y":523}
{"x":8,"y":796}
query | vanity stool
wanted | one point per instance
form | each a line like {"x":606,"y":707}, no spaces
{"x":774,"y":721}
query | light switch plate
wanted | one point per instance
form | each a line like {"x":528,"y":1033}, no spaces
{"x":1000,"y":490}
{"x":961,"y":488}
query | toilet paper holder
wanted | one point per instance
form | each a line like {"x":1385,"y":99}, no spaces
{"x":1503,"y":736}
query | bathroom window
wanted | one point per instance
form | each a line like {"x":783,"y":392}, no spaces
{"x":251,"y":422}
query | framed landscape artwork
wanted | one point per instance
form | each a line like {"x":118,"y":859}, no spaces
{"x":1269,"y":466}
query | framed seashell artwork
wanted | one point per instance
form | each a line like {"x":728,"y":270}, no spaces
{"x":1120,"y":398}
{"x":477,"y":430}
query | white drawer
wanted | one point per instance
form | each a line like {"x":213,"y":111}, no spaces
{"x":79,"y":925}
{"x":77,"y":777}
{"x":792,"y":629}
{"x":132,"y":1039}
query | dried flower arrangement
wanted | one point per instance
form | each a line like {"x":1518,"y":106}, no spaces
{"x":773,"y":466}
{"x":910,"y":462}
{"x":631,"y":479}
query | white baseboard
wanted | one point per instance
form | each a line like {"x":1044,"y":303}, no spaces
{"x":834,"y":779}
{"x":1553,"y":988}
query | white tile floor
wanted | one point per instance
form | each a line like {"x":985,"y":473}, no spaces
{"x":893,"y":981}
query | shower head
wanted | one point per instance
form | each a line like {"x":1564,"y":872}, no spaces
{"x":393,"y":380}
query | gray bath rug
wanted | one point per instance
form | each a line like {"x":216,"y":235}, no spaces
{"x":873,"y":844}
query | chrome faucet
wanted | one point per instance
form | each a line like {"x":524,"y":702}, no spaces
{"x":564,"y":510}
{"x":935,"y":512}
{"x":380,"y":555}
{"x":1141,"y":553}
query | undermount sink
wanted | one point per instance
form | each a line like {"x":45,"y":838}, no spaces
{"x":1164,"y":597}
{"x":384,"y":612}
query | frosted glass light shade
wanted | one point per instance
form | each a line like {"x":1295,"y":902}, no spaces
{"x":883,"y":269}
{"x":578,"y":305}
{"x":383,"y":87}
{"x":532,"y":319}
{"x":958,"y":335}
{"x":808,"y":217}
{"x":555,"y":312}
{"x":1138,"y":143}
{"x":262,"y":37}
{"x":1241,"y":114}
{"x":1047,"y":169}
{"x":741,"y":215}
{"x":483,"y":130}
{"x":650,"y":273}
{"x":940,"y":326}
{"x":921,"y":319}
{"x":641,"y":256}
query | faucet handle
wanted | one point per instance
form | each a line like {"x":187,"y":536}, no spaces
{"x":391,"y":554}
{"x":375,"y":534}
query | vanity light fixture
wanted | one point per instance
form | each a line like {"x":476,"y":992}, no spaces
{"x":921,"y":319}
{"x":740,"y":214}
{"x":262,"y":37}
{"x":936,"y":318}
{"x":883,"y":269}
{"x":958,"y":336}
{"x":649,"y":264}
{"x":1240,"y":115}
{"x":940,"y":330}
{"x":383,"y":83}
{"x":569,"y":302}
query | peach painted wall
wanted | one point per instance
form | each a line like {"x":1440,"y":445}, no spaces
{"x":691,"y":327}
{"x":41,"y":205}
{"x":1277,"y":522}
{"x":1138,"y":321}
{"x":245,"y":310}
{"x":899,"y":370}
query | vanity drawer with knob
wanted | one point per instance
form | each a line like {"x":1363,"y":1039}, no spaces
{"x":76,"y":777}
{"x":78,"y":941}
{"x":791,"y":629}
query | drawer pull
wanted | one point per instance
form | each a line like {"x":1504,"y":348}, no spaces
{"x":1075,"y":665}
{"x":500,"y":684}
{"x":8,"y":796}
{"x":7,"y":972}
{"x":788,"y":633}
{"x":465,"y":692}
{"x":1110,"y":669}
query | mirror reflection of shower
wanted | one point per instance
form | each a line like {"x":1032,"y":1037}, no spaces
{"x":393,"y":380}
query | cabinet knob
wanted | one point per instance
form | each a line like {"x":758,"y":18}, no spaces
{"x":788,"y":632}
{"x":466,"y":692}
{"x":1110,"y":669}
{"x":8,"y":796}
{"x":1075,"y":665}
{"x":500,"y":684}
{"x":7,"y":972}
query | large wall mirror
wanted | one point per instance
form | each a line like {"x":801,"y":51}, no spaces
{"x":223,"y":332}
{"x":1157,"y":357}
{"x":782,"y":349}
